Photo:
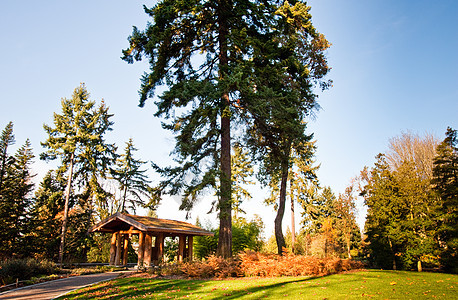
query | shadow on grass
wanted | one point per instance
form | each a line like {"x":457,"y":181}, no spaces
{"x":353,"y":284}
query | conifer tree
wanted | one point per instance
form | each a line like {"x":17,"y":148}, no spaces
{"x":6,"y":140}
{"x":134,"y":184}
{"x":195,"y":48}
{"x":212,"y":71}
{"x":16,"y":199}
{"x":280,"y":95}
{"x":445,"y":182}
{"x":45,"y":215}
{"x":77,"y":139}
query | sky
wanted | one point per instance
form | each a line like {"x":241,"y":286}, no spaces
{"x":394,"y":69}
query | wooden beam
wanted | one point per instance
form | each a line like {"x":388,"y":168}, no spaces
{"x":181,"y":246}
{"x":141,"y":249}
{"x":126,"y":249}
{"x":148,"y":250}
{"x":130,"y":231}
{"x":118,"y":250}
{"x":160,"y":247}
{"x":113,"y":249}
{"x":190,"y":247}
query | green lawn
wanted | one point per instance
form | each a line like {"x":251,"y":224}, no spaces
{"x":356,"y":285}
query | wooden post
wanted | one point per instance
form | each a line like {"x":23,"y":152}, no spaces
{"x":113,"y":249}
{"x":181,"y":245}
{"x":190,"y":247}
{"x":148,"y":250}
{"x":160,"y":247}
{"x":126,"y":249}
{"x":118,"y":249}
{"x":141,"y":249}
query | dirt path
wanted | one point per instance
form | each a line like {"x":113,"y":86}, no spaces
{"x":55,"y":288}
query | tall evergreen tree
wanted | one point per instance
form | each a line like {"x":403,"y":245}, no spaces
{"x":211,"y":68}
{"x":445,"y":182}
{"x":195,"y":48}
{"x":134,"y":184}
{"x":46,"y":213}
{"x":77,"y":139}
{"x":15,"y":202}
{"x":279,"y":95}
{"x":6,"y":140}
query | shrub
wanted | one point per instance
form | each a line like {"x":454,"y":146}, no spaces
{"x":213,"y":266}
{"x":250,"y":263}
{"x":24,"y":269}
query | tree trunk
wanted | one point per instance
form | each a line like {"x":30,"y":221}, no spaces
{"x":281,"y":207}
{"x":65,"y":220}
{"x":224,"y":248}
{"x":124,"y":199}
{"x":293,"y":225}
{"x":394,"y":256}
{"x":348,"y":240}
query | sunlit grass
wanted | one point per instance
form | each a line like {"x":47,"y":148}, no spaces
{"x":354,"y":285}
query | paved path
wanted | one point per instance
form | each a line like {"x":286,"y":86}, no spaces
{"x":54,"y":288}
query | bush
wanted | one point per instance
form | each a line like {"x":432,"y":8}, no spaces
{"x":24,"y":269}
{"x":252,"y":263}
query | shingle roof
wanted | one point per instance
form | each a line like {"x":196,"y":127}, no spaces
{"x":120,"y":221}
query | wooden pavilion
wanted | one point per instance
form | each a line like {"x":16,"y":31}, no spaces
{"x":123,"y":226}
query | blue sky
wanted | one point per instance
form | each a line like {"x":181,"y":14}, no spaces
{"x":394,"y":67}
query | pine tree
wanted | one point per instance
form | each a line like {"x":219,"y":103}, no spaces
{"x":6,"y":140}
{"x":195,"y":48}
{"x":219,"y":71}
{"x":445,"y":182}
{"x":134,"y":184}
{"x":77,"y":139}
{"x":16,"y":199}
{"x":280,"y":95}
{"x":46,"y":215}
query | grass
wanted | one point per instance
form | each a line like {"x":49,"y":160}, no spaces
{"x":354,"y":285}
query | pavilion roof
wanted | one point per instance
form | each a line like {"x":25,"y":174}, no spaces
{"x":122,"y":221}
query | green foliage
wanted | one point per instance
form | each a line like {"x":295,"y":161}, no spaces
{"x":256,"y":60}
{"x":15,"y":195}
{"x":170,"y":248}
{"x":100,"y":248}
{"x":78,"y":140}
{"x":24,"y":269}
{"x":241,"y":171}
{"x":245,"y":236}
{"x":445,"y":181}
{"x":133,"y":183}
{"x":403,"y":211}
{"x":46,"y":216}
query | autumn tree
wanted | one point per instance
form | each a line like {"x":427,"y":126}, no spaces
{"x":77,"y":139}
